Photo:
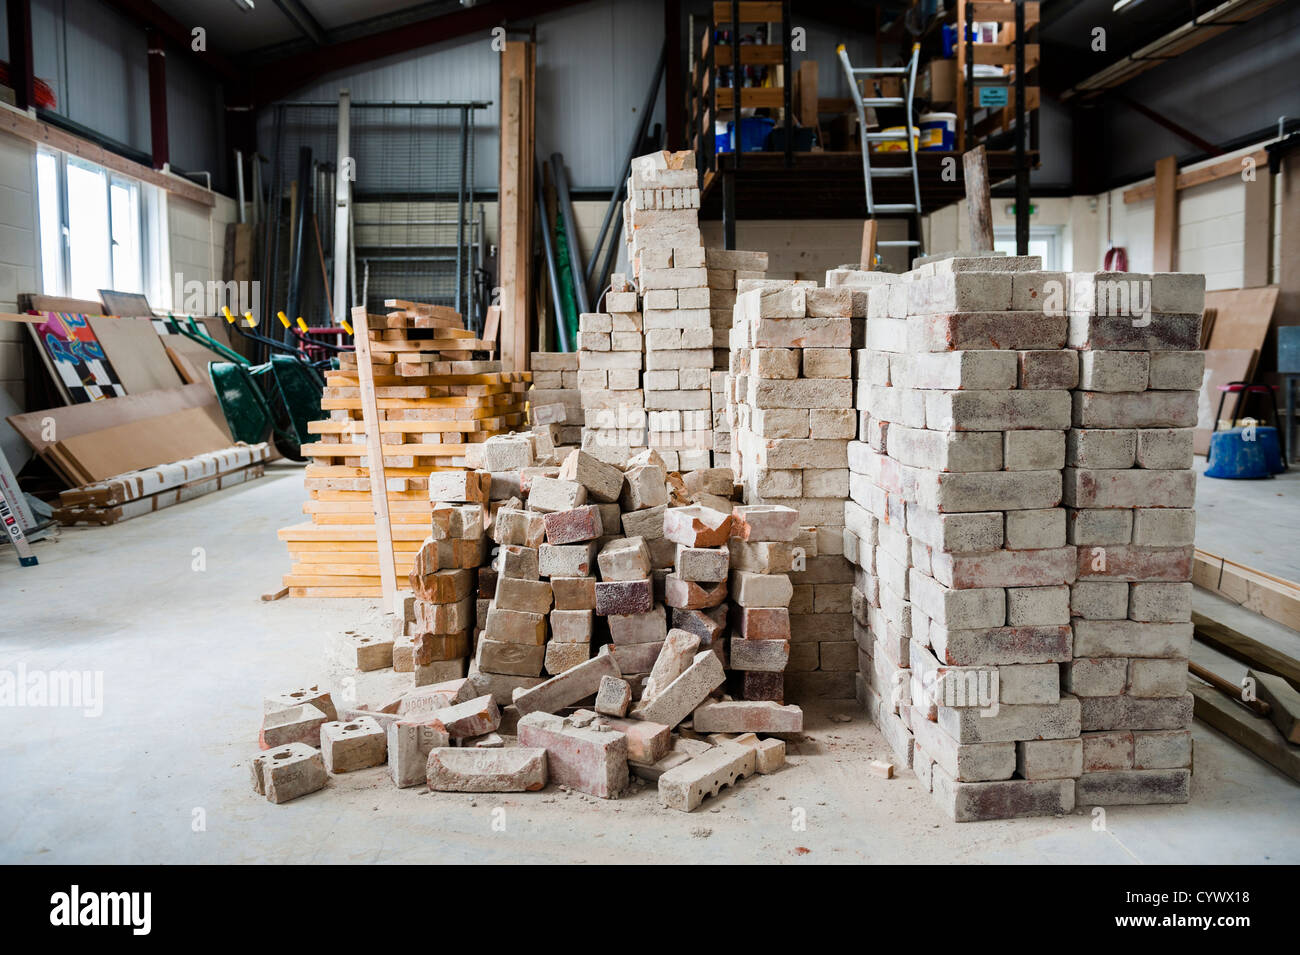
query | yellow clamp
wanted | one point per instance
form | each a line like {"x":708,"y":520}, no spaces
{"x":347,"y":327}
{"x":225,"y":310}
{"x":284,"y":319}
{"x":303,"y":325}
{"x":250,"y":320}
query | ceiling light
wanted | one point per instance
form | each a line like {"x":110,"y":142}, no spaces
{"x":247,"y":5}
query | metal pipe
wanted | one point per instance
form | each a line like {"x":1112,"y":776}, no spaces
{"x":647,"y":109}
{"x":239,"y":183}
{"x":565,"y":208}
{"x":460,"y":205}
{"x":294,"y":298}
{"x":342,"y":194}
{"x":608,"y":264}
{"x":1022,"y":168}
{"x":552,"y":270}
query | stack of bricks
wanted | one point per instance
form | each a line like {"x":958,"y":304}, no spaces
{"x":969,"y":565}
{"x":1129,"y":491}
{"x":553,"y":397}
{"x":726,"y":268}
{"x":668,"y":261}
{"x":762,"y":554}
{"x":790,"y":399}
{"x":610,"y":357}
{"x":440,"y":617}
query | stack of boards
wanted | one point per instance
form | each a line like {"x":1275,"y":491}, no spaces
{"x":151,"y":489}
{"x":434,"y":401}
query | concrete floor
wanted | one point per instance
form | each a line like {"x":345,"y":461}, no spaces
{"x":186,"y":656}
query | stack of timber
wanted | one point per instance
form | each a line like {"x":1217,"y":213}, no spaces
{"x":434,"y":401}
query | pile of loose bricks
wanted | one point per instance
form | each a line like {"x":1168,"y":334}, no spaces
{"x":1020,"y":519}
{"x":603,"y":630}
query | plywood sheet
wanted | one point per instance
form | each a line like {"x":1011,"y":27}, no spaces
{"x":145,"y":443}
{"x":191,"y":360}
{"x":134,"y":348}
{"x":1243,"y":316}
{"x":95,"y":416}
{"x":1221,"y":366}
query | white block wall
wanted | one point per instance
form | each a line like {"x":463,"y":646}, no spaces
{"x":19,"y":258}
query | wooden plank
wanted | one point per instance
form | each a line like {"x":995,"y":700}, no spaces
{"x":1004,"y":54}
{"x":751,"y":54}
{"x":1255,"y":590}
{"x":1283,"y":703}
{"x":999,"y":11}
{"x":979,"y":204}
{"x":1211,"y":173}
{"x":1165,"y":238}
{"x":1246,"y":649}
{"x":509,"y":211}
{"x":375,"y":462}
{"x":1252,"y":733}
{"x":752,"y":97}
{"x":491,"y":327}
{"x":751,"y":11}
{"x":20,"y":124}
{"x":868,"y":256}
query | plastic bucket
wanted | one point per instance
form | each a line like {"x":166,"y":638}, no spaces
{"x":894,"y":145}
{"x":754,"y":131}
{"x":938,"y":131}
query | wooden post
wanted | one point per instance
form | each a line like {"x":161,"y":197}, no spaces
{"x":1165,"y":243}
{"x":516,"y":203}
{"x":375,"y":459}
{"x":975,"y":165}
{"x":805,"y":91}
{"x":868,"y":257}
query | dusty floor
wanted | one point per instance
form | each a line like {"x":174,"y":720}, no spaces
{"x":186,"y":654}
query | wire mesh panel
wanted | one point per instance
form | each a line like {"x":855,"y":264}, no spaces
{"x":415,"y":222}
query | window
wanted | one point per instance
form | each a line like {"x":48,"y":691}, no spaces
{"x":92,"y":223}
{"x":1044,"y":241}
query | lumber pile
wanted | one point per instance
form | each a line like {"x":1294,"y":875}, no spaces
{"x":1021,"y":518}
{"x":581,"y":677}
{"x":435,"y":402}
{"x":151,"y":489}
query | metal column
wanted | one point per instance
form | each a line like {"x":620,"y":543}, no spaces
{"x":342,"y":207}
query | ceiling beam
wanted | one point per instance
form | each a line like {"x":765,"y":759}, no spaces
{"x":281,"y":77}
{"x":301,"y":17}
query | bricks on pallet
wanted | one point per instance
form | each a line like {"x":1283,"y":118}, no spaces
{"x":992,"y":458}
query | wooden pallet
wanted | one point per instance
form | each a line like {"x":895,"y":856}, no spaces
{"x":434,"y":401}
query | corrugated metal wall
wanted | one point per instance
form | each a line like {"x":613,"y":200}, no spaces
{"x":95,"y":60}
{"x":593,"y":67}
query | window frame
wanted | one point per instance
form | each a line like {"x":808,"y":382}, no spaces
{"x":145,"y":242}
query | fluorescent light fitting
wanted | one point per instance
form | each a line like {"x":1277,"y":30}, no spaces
{"x":245,"y":5}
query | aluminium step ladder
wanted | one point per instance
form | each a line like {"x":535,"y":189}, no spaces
{"x":907,"y":76}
